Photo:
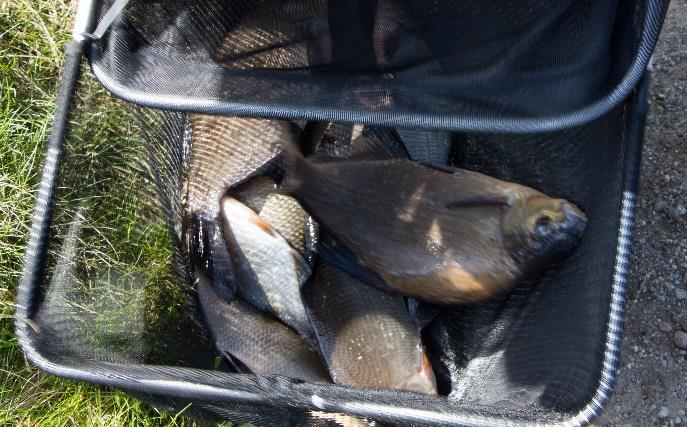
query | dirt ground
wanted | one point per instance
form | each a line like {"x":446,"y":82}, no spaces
{"x":652,"y":386}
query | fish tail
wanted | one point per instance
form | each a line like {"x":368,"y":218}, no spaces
{"x":294,"y":167}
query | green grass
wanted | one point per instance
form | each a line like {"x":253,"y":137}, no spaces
{"x":32,"y":34}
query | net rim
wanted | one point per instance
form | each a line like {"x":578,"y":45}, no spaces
{"x":308,"y":396}
{"x":654,"y":11}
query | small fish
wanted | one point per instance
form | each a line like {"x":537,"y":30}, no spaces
{"x":366,"y":335}
{"x":268,"y":271}
{"x":443,"y":235}
{"x":261,"y":344}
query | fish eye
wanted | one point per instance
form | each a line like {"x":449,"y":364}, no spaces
{"x":543,"y":221}
{"x":542,"y":225}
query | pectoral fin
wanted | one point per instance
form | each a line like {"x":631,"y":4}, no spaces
{"x":341,"y":257}
{"x":479,"y":201}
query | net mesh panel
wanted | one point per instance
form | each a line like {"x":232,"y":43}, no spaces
{"x":116,"y":299}
{"x":421,"y":62}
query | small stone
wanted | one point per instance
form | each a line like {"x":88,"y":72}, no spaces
{"x":665,"y":326}
{"x":681,"y":210}
{"x":681,"y":320}
{"x":681,"y":413}
{"x":680,"y":339}
{"x":673,"y":213}
{"x":680,"y":294}
{"x":664,"y":412}
{"x":677,"y":420}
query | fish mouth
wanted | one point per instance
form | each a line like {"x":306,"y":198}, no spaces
{"x":574,"y":222}
{"x":556,"y":239}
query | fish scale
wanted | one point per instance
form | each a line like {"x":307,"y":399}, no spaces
{"x":269,"y":272}
{"x":443,"y":235}
{"x":254,"y":192}
{"x":226,"y":151}
{"x":283,"y":213}
{"x":365,"y":335}
{"x":288,"y":218}
{"x":262,"y":344}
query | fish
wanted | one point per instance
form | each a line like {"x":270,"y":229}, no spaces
{"x":268,"y":271}
{"x":333,"y":419}
{"x":288,"y":218}
{"x":365,"y":335}
{"x":254,"y":192}
{"x":439,"y":234}
{"x":206,"y":248}
{"x":283,"y":213}
{"x":332,"y":139}
{"x":224,"y":152}
{"x":290,"y":35}
{"x":260,"y":343}
{"x":227,"y":151}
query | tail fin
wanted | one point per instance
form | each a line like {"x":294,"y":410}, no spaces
{"x":294,"y":162}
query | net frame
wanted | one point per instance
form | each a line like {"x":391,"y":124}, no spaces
{"x":163,"y":383}
{"x":648,"y":13}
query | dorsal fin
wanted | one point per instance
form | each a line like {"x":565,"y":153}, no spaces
{"x":479,"y":201}
{"x":422,"y":313}
{"x":376,"y":145}
{"x":361,"y":148}
{"x":336,"y":254}
{"x":387,"y":143}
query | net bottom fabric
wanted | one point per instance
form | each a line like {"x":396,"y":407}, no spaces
{"x":117,"y":308}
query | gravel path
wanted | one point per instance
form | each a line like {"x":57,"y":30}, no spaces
{"x":652,"y":387}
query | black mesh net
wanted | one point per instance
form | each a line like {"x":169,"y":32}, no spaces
{"x":513,"y":66}
{"x":117,"y":305}
{"x":117,"y":300}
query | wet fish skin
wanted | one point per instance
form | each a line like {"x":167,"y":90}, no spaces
{"x":288,"y":218}
{"x":447,"y":236}
{"x":254,"y":192}
{"x":204,"y":244}
{"x":262,"y":344}
{"x":269,"y":272}
{"x":283,"y":213}
{"x":226,"y":151}
{"x":366,"y":335}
